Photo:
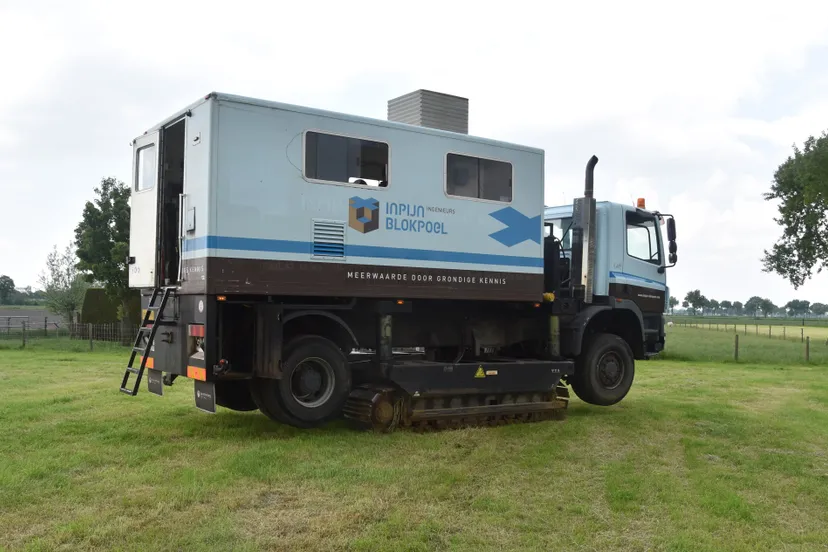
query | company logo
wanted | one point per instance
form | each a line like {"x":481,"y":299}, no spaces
{"x":363,"y":214}
{"x":519,"y":227}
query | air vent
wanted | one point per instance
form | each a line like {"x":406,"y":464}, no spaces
{"x":328,"y":239}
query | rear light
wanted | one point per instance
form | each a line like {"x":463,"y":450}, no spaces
{"x":196,"y":330}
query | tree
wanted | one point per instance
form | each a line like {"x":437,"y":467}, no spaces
{"x":673,"y":303}
{"x":801,"y":185}
{"x":798,"y":307}
{"x":767,"y":307}
{"x":696,"y":300}
{"x":727,"y":306}
{"x":738,"y":307}
{"x":685,"y":304}
{"x":753,"y":306}
{"x":62,"y":283}
{"x":819,"y":309}
{"x":713,"y":305}
{"x":6,"y":289}
{"x":103,"y":242}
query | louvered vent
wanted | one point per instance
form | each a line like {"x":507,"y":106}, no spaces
{"x":328,"y":238}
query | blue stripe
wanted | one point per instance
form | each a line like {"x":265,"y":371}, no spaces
{"x":369,"y":251}
{"x":634,"y":277}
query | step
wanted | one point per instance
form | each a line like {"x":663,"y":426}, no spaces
{"x":129,"y":392}
{"x":133,"y":370}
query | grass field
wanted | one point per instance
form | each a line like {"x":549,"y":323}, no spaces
{"x":694,"y":345}
{"x":700,"y":456}
{"x":750,"y":321}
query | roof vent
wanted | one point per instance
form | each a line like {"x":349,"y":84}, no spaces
{"x":431,"y":109}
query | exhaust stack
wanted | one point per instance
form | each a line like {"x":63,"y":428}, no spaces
{"x":583,"y":236}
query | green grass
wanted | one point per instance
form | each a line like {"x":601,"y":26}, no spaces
{"x":703,"y":345}
{"x":698,"y":457}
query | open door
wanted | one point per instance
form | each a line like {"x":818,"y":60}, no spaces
{"x":143,"y":223}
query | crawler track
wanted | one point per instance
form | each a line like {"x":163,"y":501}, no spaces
{"x":385,"y":409}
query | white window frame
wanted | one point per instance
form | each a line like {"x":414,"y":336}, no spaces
{"x":334,"y":182}
{"x":135,"y":189}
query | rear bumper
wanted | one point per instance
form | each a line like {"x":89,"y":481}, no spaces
{"x":181,"y":341}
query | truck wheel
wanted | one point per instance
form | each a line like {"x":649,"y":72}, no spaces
{"x":315,"y":383}
{"x":235,"y":395}
{"x":605,"y":370}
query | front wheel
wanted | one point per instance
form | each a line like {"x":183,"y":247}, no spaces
{"x":605,"y":370}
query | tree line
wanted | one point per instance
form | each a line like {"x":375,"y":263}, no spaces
{"x":10,"y":295}
{"x":697,"y":303}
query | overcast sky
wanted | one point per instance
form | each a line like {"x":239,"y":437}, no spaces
{"x":691,"y":107}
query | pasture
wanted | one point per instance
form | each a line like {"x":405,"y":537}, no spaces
{"x":700,"y":456}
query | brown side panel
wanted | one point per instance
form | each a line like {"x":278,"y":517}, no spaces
{"x":648,"y":300}
{"x":266,"y":277}
{"x":194,"y":276}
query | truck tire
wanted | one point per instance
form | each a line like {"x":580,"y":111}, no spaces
{"x":315,"y":383}
{"x":605,"y":370}
{"x":235,"y":395}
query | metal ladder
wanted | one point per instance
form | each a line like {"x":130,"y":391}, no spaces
{"x":150,"y":327}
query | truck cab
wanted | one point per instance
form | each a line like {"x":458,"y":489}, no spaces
{"x":630,"y":261}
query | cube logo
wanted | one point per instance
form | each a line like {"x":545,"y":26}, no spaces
{"x":363,"y":214}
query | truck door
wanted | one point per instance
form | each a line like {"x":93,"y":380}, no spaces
{"x":641,"y":280}
{"x":143,"y":223}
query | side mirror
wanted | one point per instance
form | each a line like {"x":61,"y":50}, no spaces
{"x":671,"y":239}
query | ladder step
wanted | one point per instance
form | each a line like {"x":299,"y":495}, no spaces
{"x":145,"y":329}
{"x":139,"y":350}
{"x":133,"y":370}
{"x":129,"y":392}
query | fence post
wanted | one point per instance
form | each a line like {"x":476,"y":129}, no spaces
{"x":784,"y":333}
{"x":802,"y":334}
{"x":24,"y":334}
{"x":736,"y":348}
{"x":769,"y":330}
{"x":46,"y":327}
{"x":808,"y":349}
{"x":89,"y":327}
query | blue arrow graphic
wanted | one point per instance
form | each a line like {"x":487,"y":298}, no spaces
{"x":519,"y":227}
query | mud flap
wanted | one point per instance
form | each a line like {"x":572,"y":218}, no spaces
{"x":205,"y":396}
{"x":155,"y":382}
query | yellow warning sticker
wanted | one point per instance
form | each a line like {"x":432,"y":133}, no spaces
{"x":480,"y":373}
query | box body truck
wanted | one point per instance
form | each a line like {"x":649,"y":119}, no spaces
{"x":313,"y":264}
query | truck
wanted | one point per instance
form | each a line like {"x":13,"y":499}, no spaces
{"x":400,"y":273}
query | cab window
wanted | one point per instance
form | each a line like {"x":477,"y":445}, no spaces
{"x":642,"y":238}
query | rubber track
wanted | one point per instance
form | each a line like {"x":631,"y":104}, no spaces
{"x":358,"y":411}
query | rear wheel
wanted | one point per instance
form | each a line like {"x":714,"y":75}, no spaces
{"x":605,"y":370}
{"x":315,"y":383}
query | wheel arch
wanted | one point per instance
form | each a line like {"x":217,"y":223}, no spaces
{"x":321,"y":323}
{"x":624,"y":320}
